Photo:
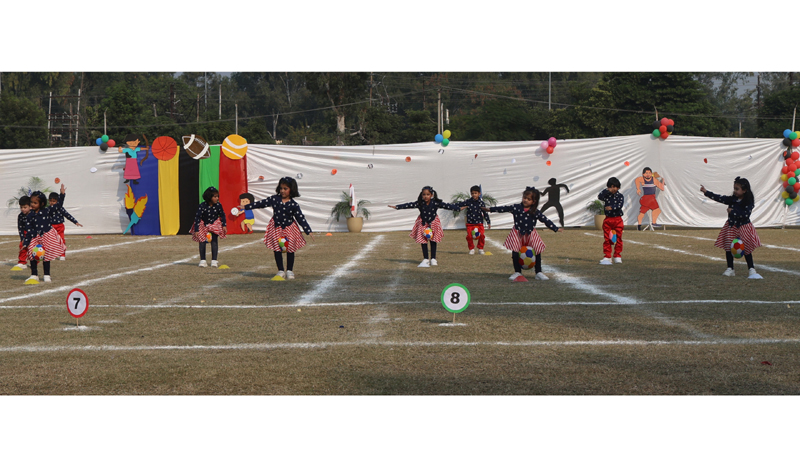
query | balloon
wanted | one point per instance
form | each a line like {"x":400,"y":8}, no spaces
{"x":656,"y":133}
{"x":793,"y":135}
{"x":796,"y":199}
{"x":446,"y":134}
{"x":795,"y":143}
{"x":797,"y":187}
{"x":549,"y":150}
{"x":548,"y":163}
{"x":787,"y":142}
{"x":795,"y":156}
{"x":786,"y":133}
{"x":791,"y":167}
{"x":544,"y":145}
{"x":656,"y":124}
{"x":551,"y":142}
{"x":665,"y":121}
{"x":664,"y":135}
{"x":104,"y":138}
{"x":796,"y":172}
{"x":792,"y":180}
{"x":670,"y":122}
{"x":784,"y":169}
{"x":784,"y":177}
{"x":333,"y":172}
{"x":670,"y":128}
{"x":662,"y":128}
{"x":104,"y":147}
{"x":438,"y":138}
{"x":785,"y":184}
{"x":111,"y":143}
{"x":784,"y":194}
{"x":445,"y":142}
{"x":408,"y":158}
{"x":99,"y":141}
{"x":789,"y":202}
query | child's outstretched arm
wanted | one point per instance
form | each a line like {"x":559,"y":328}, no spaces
{"x":410,"y":205}
{"x":264,"y":203}
{"x":718,"y":198}
{"x":69,"y":217}
{"x":301,"y":220}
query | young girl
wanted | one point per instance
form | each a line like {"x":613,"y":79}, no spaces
{"x":283,"y":225}
{"x":524,"y":232}
{"x":58,"y":213}
{"x":428,"y":203}
{"x":738,"y":225}
{"x":209,"y":220}
{"x":41,"y":232}
{"x":131,"y":169}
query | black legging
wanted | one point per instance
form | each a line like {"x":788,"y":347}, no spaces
{"x":537,"y":268}
{"x":748,"y":258}
{"x":289,"y":260}
{"x":425,"y":250}
{"x":214,"y":248}
{"x":35,"y":268}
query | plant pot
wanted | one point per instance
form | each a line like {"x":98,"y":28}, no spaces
{"x":598,"y":221}
{"x":354,"y":224}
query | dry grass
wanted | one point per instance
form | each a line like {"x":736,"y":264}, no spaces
{"x":142,"y":336}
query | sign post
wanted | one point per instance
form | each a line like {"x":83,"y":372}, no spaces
{"x":77,"y":304}
{"x":455,"y":299}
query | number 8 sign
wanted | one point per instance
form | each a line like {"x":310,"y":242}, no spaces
{"x":77,"y":303}
{"x":455,"y":298}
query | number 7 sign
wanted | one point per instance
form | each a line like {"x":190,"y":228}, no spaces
{"x":77,"y":303}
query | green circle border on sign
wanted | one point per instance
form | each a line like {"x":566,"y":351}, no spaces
{"x":444,"y":302}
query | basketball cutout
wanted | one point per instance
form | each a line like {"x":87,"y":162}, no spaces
{"x":196,"y":146}
{"x":737,"y":248}
{"x":164,"y":148}
{"x":234,"y":146}
{"x":527,"y":257}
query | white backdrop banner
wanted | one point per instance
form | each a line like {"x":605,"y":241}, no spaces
{"x":398,"y":173}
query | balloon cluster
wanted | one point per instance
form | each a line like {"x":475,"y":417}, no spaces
{"x":105,"y":142}
{"x":443,"y":137}
{"x":549,"y":146}
{"x":790,"y":173}
{"x":663,"y":128}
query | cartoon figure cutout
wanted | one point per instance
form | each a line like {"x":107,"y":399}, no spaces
{"x":648,"y":183}
{"x":553,"y":193}
{"x":248,"y":220}
{"x":134,"y":208}
{"x":131,"y":169}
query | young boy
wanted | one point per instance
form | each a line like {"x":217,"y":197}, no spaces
{"x":475,"y":219}
{"x":249,"y":220}
{"x":22,"y":227}
{"x":613,"y":225}
{"x":58,"y":213}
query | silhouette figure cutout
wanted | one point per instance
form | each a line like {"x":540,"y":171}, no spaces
{"x":553,"y":193}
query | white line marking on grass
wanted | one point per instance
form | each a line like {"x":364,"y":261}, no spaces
{"x":775,"y":247}
{"x":328,"y":282}
{"x":113,"y":245}
{"x":9,"y":241}
{"x":712,"y":258}
{"x":65,"y":288}
{"x":324,"y":345}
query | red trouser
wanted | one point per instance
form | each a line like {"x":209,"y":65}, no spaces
{"x":612,"y":223}
{"x":60,"y":229}
{"x":481,"y":238}
{"x":23,"y":254}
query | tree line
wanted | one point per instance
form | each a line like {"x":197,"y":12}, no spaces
{"x":361,"y":108}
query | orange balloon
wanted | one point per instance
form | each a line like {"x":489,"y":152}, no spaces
{"x":408,"y":159}
{"x":548,"y":163}
{"x":58,"y":180}
{"x":627,"y":163}
{"x":333,"y":172}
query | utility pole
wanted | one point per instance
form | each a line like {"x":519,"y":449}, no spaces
{"x":439,"y":114}
{"x":370,"y":89}
{"x":155,"y":115}
{"x":172,"y":101}
{"x":549,"y":88}
{"x":205,"y":92}
{"x":198,"y":107}
{"x":758,"y":93}
{"x":78,"y":116}
{"x":237,"y":119}
{"x":49,"y":110}
{"x":220,"y":101}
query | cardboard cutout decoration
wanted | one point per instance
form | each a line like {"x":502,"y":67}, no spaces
{"x":248,"y":220}
{"x":131,"y":148}
{"x":164,"y":148}
{"x":553,"y":193}
{"x":135,"y":209}
{"x":196,"y":146}
{"x":648,"y":183}
{"x":234,"y":147}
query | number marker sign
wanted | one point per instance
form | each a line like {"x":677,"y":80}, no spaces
{"x":455,"y":298}
{"x":77,"y":303}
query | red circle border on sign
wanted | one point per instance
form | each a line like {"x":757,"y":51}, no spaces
{"x":84,"y":296}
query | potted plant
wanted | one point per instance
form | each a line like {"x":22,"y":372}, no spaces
{"x":597,"y":208}
{"x":342,"y":209}
{"x":488,"y":199}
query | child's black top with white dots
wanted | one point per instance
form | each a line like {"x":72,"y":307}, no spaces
{"x":428,"y":211}
{"x":474,"y":213}
{"x":209,"y":214}
{"x":58,"y":213}
{"x":615,"y":201}
{"x":525,"y":219}
{"x":38,"y":224}
{"x":22,"y":225}
{"x":740,"y":212}
{"x":282,"y":213}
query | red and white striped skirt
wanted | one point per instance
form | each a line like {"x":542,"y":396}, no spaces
{"x":200,"y":235}
{"x":515,"y":241}
{"x":746,"y":233}
{"x":53,"y":245}
{"x":418,"y":231}
{"x":294,"y":238}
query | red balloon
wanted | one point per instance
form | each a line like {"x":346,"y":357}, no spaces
{"x":797,"y":187}
{"x":784,"y":169}
{"x":795,"y":156}
{"x":670,"y":122}
{"x":665,"y":121}
{"x":662,"y":129}
{"x":111,"y":143}
{"x":791,"y":168}
{"x":795,"y":143}
{"x":785,"y":184}
{"x":664,"y":135}
{"x":549,"y":149}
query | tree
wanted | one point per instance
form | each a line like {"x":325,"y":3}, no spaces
{"x":775,"y":115}
{"x":23,"y":124}
{"x":341,"y":90}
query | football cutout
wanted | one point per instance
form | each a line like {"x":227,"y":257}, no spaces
{"x":196,"y":146}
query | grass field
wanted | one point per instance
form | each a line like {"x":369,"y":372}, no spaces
{"x":361,"y":318}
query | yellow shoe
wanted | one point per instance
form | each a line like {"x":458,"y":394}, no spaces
{"x":33,"y":280}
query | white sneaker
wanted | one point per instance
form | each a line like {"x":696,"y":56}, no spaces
{"x":47,"y":279}
{"x":214,"y":263}
{"x":481,"y":252}
{"x":618,"y":259}
{"x":424,"y":264}
{"x":729,"y":272}
{"x":289,"y":275}
{"x":434,"y":262}
{"x":61,"y":258}
{"x":203,"y":263}
{"x":514,"y":276}
{"x":541,"y":277}
{"x":22,"y":265}
{"x":281,"y":274}
{"x":605,"y":261}
{"x":472,"y":252}
{"x":753,"y":274}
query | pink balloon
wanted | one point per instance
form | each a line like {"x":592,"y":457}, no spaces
{"x":551,"y":142}
{"x":544,"y":145}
